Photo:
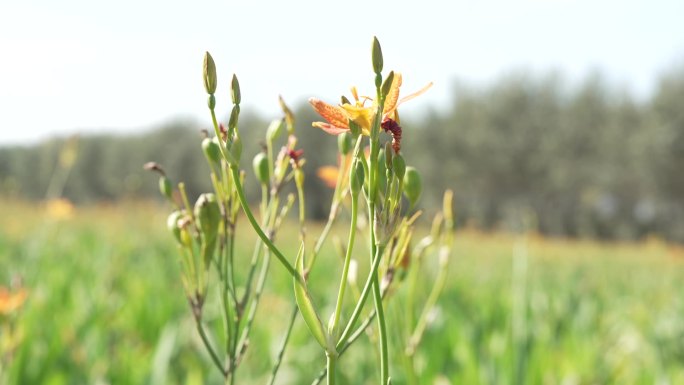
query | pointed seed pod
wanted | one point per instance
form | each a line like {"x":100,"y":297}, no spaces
{"x":376,"y":53}
{"x":274,"y":129}
{"x":209,"y":74}
{"x":211,"y":150}
{"x":260,"y":164}
{"x":234,"y":115}
{"x":387,"y":84}
{"x":165,"y":187}
{"x":235,"y":90}
{"x":399,"y":166}
{"x":356,"y":177}
{"x":412,"y":185}
{"x":172,"y":224}
{"x":344,"y":143}
{"x":208,"y":216}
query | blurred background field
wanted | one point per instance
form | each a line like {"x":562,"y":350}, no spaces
{"x":105,"y":305}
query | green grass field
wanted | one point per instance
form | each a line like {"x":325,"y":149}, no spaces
{"x":105,"y":306}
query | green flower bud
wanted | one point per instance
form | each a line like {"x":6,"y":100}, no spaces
{"x":235,"y":90}
{"x":172,"y":224}
{"x":260,"y":164}
{"x":344,"y":143}
{"x":387,"y":84}
{"x":412,"y":185}
{"x":208,"y":217}
{"x":274,"y":129}
{"x":234,"y":114}
{"x":376,"y":53}
{"x":165,"y":187}
{"x":388,"y":155}
{"x":211,"y":150}
{"x":236,"y":149}
{"x":356,"y":177}
{"x":399,"y":166}
{"x":209,"y":74}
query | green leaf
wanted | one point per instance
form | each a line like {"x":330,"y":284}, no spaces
{"x":306,"y":308}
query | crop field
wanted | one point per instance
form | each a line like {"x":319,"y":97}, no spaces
{"x":104,"y":305}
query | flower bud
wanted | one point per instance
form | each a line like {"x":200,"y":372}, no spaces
{"x":236,"y":149}
{"x":211,"y":150}
{"x":274,"y":129}
{"x":260,"y":164}
{"x":376,"y":53}
{"x":356,"y":177}
{"x":412,"y":185}
{"x":235,"y":90}
{"x":387,"y":84}
{"x":234,"y":114}
{"x":209,"y":74}
{"x":399,"y":166}
{"x":165,"y":187}
{"x":208,"y":216}
{"x":388,"y":155}
{"x":172,"y":224}
{"x":344,"y":143}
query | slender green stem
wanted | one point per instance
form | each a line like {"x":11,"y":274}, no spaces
{"x":347,"y":260}
{"x":210,"y":348}
{"x":382,"y":327}
{"x":248,"y":212}
{"x":331,"y":366}
{"x":364,"y":295}
{"x":283,"y":346}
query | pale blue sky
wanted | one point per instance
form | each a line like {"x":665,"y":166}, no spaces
{"x":69,"y":66}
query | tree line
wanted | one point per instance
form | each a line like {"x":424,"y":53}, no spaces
{"x":587,"y":159}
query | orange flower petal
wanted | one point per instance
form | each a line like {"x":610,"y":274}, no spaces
{"x":328,"y":175}
{"x":9,"y":302}
{"x":334,"y":115}
{"x":329,"y":128}
{"x":393,"y":95}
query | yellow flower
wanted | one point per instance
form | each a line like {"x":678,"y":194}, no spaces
{"x":338,"y":117}
{"x":59,"y":208}
{"x":10,"y":302}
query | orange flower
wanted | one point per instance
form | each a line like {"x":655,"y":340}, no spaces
{"x":329,"y":174}
{"x":338,"y":117}
{"x":10,"y":302}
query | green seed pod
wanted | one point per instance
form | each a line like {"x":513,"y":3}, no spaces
{"x":208,"y":216}
{"x":234,"y":114}
{"x":388,"y":155}
{"x":382,"y":177}
{"x":209,"y":74}
{"x":376,"y":53}
{"x":165,"y":187}
{"x":412,"y":185}
{"x":172,"y":224}
{"x":274,"y":130}
{"x":236,"y":149}
{"x":260,"y":164}
{"x":399,"y":166}
{"x":235,"y":90}
{"x":387,"y":84}
{"x":356,"y":177}
{"x":344,"y":143}
{"x":211,"y":102}
{"x":211,"y":150}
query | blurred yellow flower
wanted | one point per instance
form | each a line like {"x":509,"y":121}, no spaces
{"x":59,"y":208}
{"x":10,"y":302}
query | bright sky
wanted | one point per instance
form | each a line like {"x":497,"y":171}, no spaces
{"x":84,"y":65}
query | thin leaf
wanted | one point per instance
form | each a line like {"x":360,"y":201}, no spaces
{"x":305,"y":304}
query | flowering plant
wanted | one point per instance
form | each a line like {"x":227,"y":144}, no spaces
{"x":369,"y":172}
